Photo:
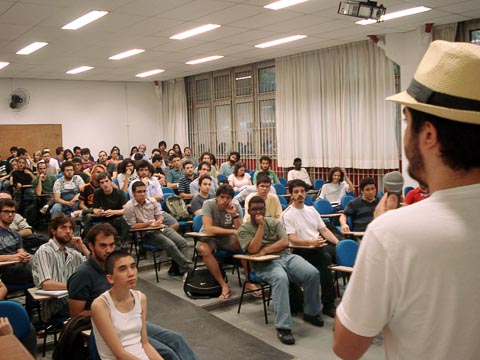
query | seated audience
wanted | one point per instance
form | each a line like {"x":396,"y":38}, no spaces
{"x":13,"y":153}
{"x":144,"y":172}
{"x":175,"y":173}
{"x":338,"y":185}
{"x":89,"y":281}
{"x":5,"y":170}
{"x":77,"y":170}
{"x":66,"y":191}
{"x":305,"y":227}
{"x":119,"y":315}
{"x":228,"y":166}
{"x":54,"y":262}
{"x":239,"y":179}
{"x":265,"y":163}
{"x":187,"y":155}
{"x":159,"y":169}
{"x":110,"y":165}
{"x":185,"y":181}
{"x":68,"y":155}
{"x":178,"y":150}
{"x":361,"y":208}
{"x":203,"y":169}
{"x":87,"y":162}
{"x":299,"y":173}
{"x":87,"y":191}
{"x":21,"y":181}
{"x":210,"y":158}
{"x":59,"y":151}
{"x":126,"y":174}
{"x":263,"y":236}
{"x":162,"y":146}
{"x":272,"y":204}
{"x":204,"y":183}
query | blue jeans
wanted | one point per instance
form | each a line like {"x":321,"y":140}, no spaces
{"x":278,"y":273}
{"x":169,"y":344}
{"x":59,"y":208}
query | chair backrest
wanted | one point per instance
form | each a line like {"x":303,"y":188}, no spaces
{"x":318,"y":183}
{"x":222,"y":178}
{"x":380,"y":194}
{"x":283,"y":181}
{"x":308,"y":200}
{"x":345,"y":200}
{"x":323,"y":207}
{"x":197,"y":223}
{"x":283,"y":202}
{"x":92,"y":347}
{"x":280,"y":189}
{"x":115,"y":181}
{"x":17,"y":316}
{"x":407,"y":190}
{"x":347,"y":252}
{"x":167,"y":190}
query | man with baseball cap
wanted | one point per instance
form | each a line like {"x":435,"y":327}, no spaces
{"x":416,"y":276}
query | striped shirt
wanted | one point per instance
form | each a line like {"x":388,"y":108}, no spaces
{"x":51,"y":263}
{"x":184,"y":184}
{"x":137,"y":213}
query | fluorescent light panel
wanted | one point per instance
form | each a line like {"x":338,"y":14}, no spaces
{"x":84,"y":20}
{"x":396,"y":14}
{"x":210,"y":58}
{"x":283,"y":4}
{"x":280,"y":41}
{"x":3,"y":64}
{"x":244,"y":77}
{"x":149,"y":73}
{"x":125,"y":54}
{"x":195,"y":31}
{"x":31,"y":48}
{"x":79,"y":69}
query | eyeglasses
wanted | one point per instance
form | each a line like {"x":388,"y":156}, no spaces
{"x":9,"y":212}
{"x":140,"y":191}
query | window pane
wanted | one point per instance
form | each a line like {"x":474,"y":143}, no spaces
{"x":223,"y":122}
{"x":222,"y":86}
{"x":245,"y":128}
{"x":475,"y":36}
{"x":202,"y":131}
{"x":266,"y":79}
{"x":267,"y":128}
{"x":243,"y":83}
{"x":201,"y":90}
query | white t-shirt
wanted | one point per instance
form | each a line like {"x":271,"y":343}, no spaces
{"x":416,"y":278}
{"x":240,"y":183}
{"x":301,"y":174}
{"x":305,"y":222}
{"x":334,"y":192}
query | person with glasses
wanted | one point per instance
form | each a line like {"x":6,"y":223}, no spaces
{"x":204,"y":168}
{"x":11,"y":248}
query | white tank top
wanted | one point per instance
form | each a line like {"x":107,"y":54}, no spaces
{"x":128,"y":327}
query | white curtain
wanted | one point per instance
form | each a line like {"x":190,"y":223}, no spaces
{"x":445,"y":32}
{"x":172,"y":99}
{"x":331,"y":108}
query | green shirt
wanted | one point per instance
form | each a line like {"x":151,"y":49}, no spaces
{"x":47,"y":185}
{"x":272,"y":175}
{"x":273,"y":231}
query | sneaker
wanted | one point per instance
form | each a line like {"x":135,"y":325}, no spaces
{"x":44,"y":209}
{"x":314,"y":320}
{"x":329,"y":310}
{"x":285,"y":336}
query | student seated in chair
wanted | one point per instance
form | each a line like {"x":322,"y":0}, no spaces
{"x":263,"y":235}
{"x":119,"y":315}
{"x":89,"y":281}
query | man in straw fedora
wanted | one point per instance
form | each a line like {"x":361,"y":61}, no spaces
{"x":416,"y":276}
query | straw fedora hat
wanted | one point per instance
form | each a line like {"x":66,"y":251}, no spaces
{"x":446,"y":83}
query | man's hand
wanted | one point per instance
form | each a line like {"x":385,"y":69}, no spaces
{"x":159,"y":222}
{"x":262,"y":252}
{"x":345,"y":228}
{"x":259,"y":219}
{"x":319,"y":242}
{"x":231,"y":209}
{"x":77,"y":243}
{"x":387,"y":202}
{"x":42,"y":177}
{"x":145,"y":180}
{"x":108,"y":213}
{"x":24,"y":257}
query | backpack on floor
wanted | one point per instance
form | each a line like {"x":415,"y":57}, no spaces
{"x":71,"y":344}
{"x":176,"y":206}
{"x":295,"y":293}
{"x":200,"y":284}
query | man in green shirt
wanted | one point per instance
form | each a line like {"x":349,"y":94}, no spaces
{"x":263,"y":235}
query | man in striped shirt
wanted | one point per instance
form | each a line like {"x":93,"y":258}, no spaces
{"x":54,"y":262}
{"x":186,"y":180}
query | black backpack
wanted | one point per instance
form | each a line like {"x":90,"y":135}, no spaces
{"x":176,"y":206}
{"x":200,"y":284}
{"x":71,"y":344}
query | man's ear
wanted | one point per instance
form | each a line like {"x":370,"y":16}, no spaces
{"x":110,"y":279}
{"x":428,"y":135}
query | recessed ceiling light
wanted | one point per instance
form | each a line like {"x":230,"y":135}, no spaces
{"x":31,"y":48}
{"x":395,"y":15}
{"x":149,"y":73}
{"x":210,"y":58}
{"x":79,"y":69}
{"x":283,"y":4}
{"x":196,"y":31}
{"x":85,"y":19}
{"x":125,"y":54}
{"x":3,"y":64}
{"x":280,"y":41}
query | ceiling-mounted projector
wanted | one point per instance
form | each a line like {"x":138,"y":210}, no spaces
{"x":364,"y":10}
